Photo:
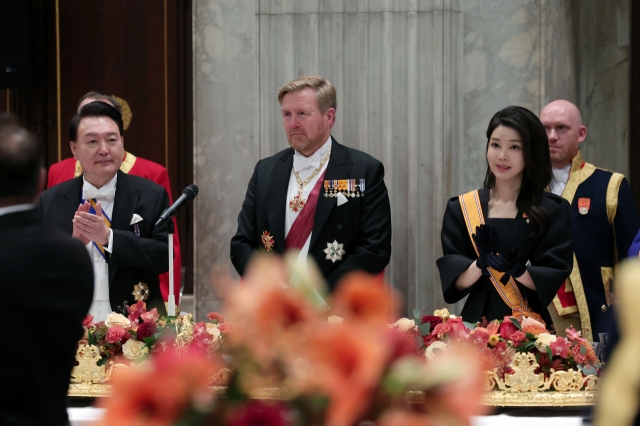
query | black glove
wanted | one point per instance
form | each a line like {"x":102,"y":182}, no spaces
{"x":507,"y":263}
{"x":486,"y":241}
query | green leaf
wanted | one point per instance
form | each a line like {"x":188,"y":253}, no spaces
{"x":469,"y":325}
{"x":424,"y":329}
{"x":416,"y":316}
{"x":516,"y":323}
{"x":586,"y":370}
{"x":149,"y":341}
{"x":583,"y":350}
{"x":549,"y":353}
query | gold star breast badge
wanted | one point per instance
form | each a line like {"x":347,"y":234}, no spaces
{"x":140,"y":291}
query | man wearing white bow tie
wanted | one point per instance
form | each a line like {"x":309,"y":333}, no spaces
{"x":319,"y":197}
{"x":112,"y":213}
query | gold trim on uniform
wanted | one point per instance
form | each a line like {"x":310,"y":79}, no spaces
{"x":127,"y":164}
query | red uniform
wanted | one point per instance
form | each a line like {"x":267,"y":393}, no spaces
{"x":70,"y":168}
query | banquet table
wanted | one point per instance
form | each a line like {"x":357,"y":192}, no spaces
{"x":90,"y":416}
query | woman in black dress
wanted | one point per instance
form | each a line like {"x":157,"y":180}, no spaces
{"x":508,"y":245}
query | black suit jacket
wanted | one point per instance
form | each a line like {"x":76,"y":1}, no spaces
{"x":47,"y":288}
{"x":362,"y":225}
{"x":134,"y":259}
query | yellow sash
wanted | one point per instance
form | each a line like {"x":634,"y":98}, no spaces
{"x":510,"y":293}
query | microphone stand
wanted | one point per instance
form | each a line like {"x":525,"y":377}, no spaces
{"x":171,"y":299}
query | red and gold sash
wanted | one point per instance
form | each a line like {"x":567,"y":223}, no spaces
{"x":510,"y":293}
{"x":303,"y":225}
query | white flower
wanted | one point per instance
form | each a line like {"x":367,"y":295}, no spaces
{"x":430,"y":353}
{"x":117,"y":319}
{"x":544,"y":340}
{"x":335,"y":320}
{"x":134,"y":349}
{"x":405,"y":324}
{"x":216,"y":335}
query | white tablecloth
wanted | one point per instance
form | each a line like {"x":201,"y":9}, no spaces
{"x":88,"y":416}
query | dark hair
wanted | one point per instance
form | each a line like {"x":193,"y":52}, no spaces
{"x":537,"y":161}
{"x":95,"y":109}
{"x":97,"y":96}
{"x":20,"y":159}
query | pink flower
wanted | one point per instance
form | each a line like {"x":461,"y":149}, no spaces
{"x":458,"y":329}
{"x":572,"y":334}
{"x":87,"y":320}
{"x":493,"y":327}
{"x":115,"y":334}
{"x":146,"y":329}
{"x":214,"y":316}
{"x":224,"y":328}
{"x":136,"y":310}
{"x":152,"y":315}
{"x":202,"y":339}
{"x":199,"y":327}
{"x":480,"y":336}
{"x":441,"y":329}
{"x":507,"y":328}
{"x":517,"y":338}
{"x":560,"y":347}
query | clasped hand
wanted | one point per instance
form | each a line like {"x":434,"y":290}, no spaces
{"x":486,"y":241}
{"x":90,"y":227}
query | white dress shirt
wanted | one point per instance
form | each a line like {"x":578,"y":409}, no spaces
{"x":560,"y":178}
{"x":101,"y":307}
{"x":305,"y":166}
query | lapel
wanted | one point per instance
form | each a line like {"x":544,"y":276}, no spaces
{"x":339,"y":167}
{"x":67,"y":203}
{"x":124,"y":205}
{"x":277,"y":202}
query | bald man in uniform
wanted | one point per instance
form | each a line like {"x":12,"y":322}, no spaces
{"x":604,"y":219}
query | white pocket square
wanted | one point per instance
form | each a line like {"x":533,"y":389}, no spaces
{"x":341,"y":199}
{"x":135,"y":219}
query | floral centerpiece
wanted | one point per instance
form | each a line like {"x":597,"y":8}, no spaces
{"x":292,"y":362}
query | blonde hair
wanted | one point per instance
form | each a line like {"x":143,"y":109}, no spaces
{"x":325,"y":91}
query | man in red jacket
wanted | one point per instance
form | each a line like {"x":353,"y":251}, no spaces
{"x":70,"y":168}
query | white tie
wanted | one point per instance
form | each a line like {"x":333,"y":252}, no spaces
{"x":102,"y":194}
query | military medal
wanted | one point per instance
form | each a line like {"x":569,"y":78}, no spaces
{"x":297,"y":203}
{"x":326,"y":188}
{"x":583,"y":205}
{"x":267,"y":240}
{"x":140,"y":291}
{"x":352,"y":188}
{"x":334,"y":251}
{"x":362,"y":187}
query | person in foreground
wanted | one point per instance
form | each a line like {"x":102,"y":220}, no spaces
{"x":70,"y":168}
{"x":112,"y":213}
{"x":604,"y":218}
{"x":47,"y":282}
{"x":508,"y":245}
{"x":319,"y":197}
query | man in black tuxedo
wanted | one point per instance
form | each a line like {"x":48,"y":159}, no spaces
{"x":319,"y":197}
{"x":112,"y":213}
{"x":47,"y":286}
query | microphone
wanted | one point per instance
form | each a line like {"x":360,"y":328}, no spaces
{"x":188,"y":194}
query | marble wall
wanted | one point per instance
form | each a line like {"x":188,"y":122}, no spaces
{"x":417,"y":81}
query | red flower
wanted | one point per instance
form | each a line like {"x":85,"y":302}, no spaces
{"x":458,"y":329}
{"x":507,"y":328}
{"x":146,"y":329}
{"x":214,"y":316}
{"x":517,"y":338}
{"x":431,"y":319}
{"x":560,"y":347}
{"x":254,"y":413}
{"x":429,"y":339}
{"x":116,"y":334}
{"x":87,"y":320}
{"x":441,"y":329}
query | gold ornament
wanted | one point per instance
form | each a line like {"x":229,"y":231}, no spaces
{"x":140,"y":291}
{"x":127,"y":115}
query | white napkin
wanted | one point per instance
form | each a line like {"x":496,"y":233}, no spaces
{"x":135,"y":219}
{"x":341,"y":199}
